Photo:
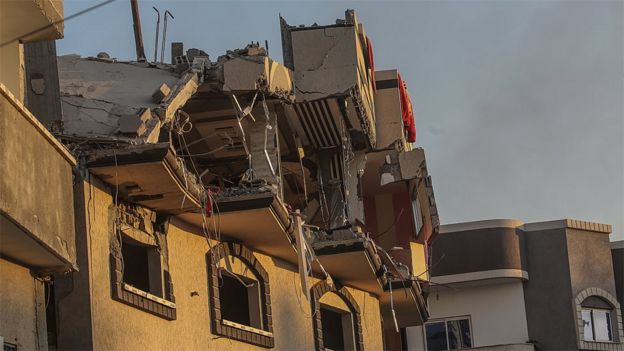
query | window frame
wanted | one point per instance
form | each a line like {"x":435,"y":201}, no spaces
{"x":445,"y":321}
{"x":230,"y":329}
{"x":593,"y":324}
{"x":254,"y":301}
{"x":347,"y":326}
{"x":316,"y":292}
{"x":617,"y":330}
{"x":417,"y":215}
{"x":127,"y":233}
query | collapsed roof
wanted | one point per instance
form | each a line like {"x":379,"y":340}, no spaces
{"x":241,"y":136}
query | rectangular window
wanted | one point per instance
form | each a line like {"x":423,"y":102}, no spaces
{"x":449,"y":334}
{"x":417,"y":213}
{"x":240,"y":300}
{"x":337,"y":326}
{"x":142,"y":267}
{"x":597,"y":325}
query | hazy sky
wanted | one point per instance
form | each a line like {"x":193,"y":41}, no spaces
{"x":519,"y":105}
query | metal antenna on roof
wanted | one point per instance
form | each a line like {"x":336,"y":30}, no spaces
{"x":157,"y":30}
{"x":138,"y":37}
{"x":162,"y":50}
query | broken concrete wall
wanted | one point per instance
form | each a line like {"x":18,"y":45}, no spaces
{"x":389,"y":120}
{"x":251,"y":73}
{"x":106,"y":99}
{"x":262,"y":138}
{"x":325,"y":61}
{"x":353,"y":187}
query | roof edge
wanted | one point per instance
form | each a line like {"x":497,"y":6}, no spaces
{"x":23,"y":110}
{"x":567,"y":223}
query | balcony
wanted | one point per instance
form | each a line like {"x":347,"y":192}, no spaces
{"x":36,"y":177}
{"x":46,"y":15}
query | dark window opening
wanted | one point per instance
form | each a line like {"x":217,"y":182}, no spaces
{"x":337,"y":327}
{"x":50,"y":314}
{"x":240,"y":300}
{"x":436,"y":337}
{"x":136,"y":266}
{"x":142,"y":267}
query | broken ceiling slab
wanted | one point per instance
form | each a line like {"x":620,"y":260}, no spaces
{"x":181,"y":92}
{"x":257,"y":220}
{"x":161,"y":93}
{"x":148,"y":175}
{"x":385,"y":169}
{"x":244,"y":75}
{"x":124,"y":84}
{"x":401,"y":291}
{"x":410,"y":306}
{"x":354,"y":262}
{"x":114,"y":100}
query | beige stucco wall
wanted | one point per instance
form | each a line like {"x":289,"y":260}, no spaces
{"x":117,"y":326}
{"x":36,"y":183}
{"x":497,"y":313}
{"x":22,"y":301}
{"x":12,"y":68}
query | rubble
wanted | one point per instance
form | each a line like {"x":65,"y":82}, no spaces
{"x":292,"y":149}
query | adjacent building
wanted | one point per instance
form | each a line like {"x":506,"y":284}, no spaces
{"x":617,"y":252}
{"x":36,"y":195}
{"x":508,"y":285}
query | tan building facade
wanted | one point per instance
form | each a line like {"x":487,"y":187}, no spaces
{"x":117,"y":325}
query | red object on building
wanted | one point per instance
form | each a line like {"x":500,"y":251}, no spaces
{"x":408,"y":114}
{"x":209,"y":203}
{"x":371,"y":61}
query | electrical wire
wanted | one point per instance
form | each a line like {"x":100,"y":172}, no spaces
{"x":65,"y":19}
{"x":391,"y":226}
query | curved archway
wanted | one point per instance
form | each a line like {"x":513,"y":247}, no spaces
{"x":318,"y":291}
{"x":261,"y":334}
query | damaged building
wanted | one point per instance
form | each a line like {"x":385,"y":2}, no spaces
{"x":239,"y":202}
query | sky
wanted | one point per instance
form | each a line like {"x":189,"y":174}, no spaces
{"x":519,"y":104}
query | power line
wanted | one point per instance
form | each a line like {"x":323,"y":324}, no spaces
{"x":79,"y":13}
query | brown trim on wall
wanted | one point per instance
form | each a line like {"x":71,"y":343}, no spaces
{"x":318,"y":290}
{"x":228,"y":330}
{"x":616,"y":315}
{"x":490,"y":249}
{"x":121,"y":294}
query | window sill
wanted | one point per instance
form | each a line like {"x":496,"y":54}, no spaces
{"x":601,"y":342}
{"x":243,"y":333}
{"x":246,"y":328}
{"x":148,"y":296}
{"x":144,"y":301}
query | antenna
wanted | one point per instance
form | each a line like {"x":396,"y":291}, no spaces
{"x":157,"y":29}
{"x":162,"y":51}
{"x":138,"y":37}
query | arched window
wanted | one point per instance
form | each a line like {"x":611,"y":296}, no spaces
{"x":240,"y":302}
{"x":337,"y":321}
{"x":599,"y":318}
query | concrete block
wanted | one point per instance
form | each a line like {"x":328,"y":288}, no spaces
{"x":177,"y":49}
{"x":161,"y":93}
{"x":131,"y":124}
